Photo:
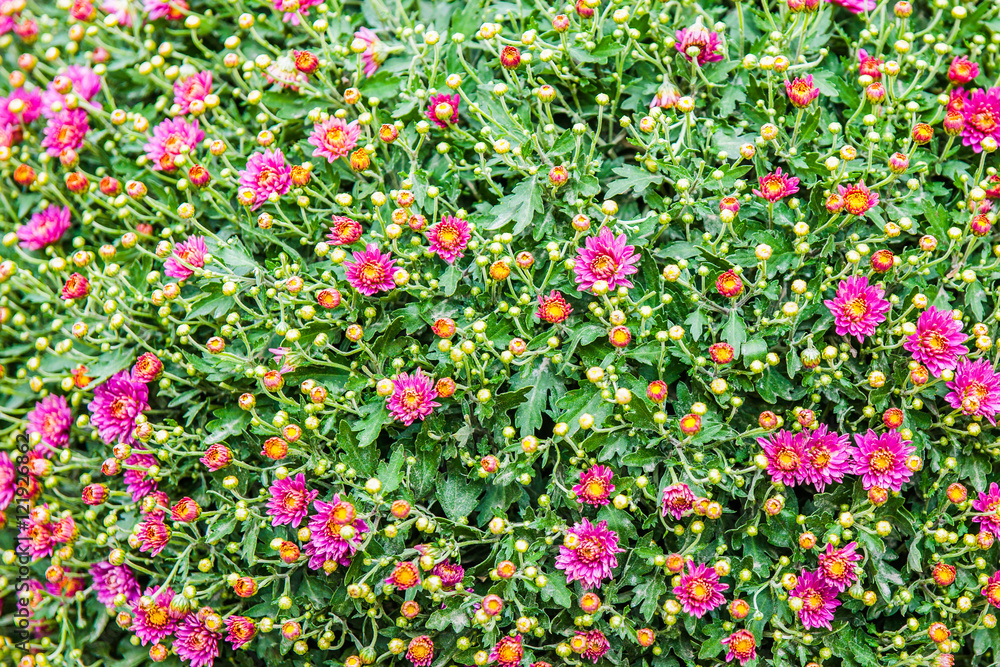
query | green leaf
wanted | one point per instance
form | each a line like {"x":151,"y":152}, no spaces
{"x":449,"y":281}
{"x":390,"y":472}
{"x":457,"y":494}
{"x":632,"y":178}
{"x":735,"y":332}
{"x":529,"y":414}
{"x":231,"y":420}
{"x":556,"y":590}
{"x":520,"y":206}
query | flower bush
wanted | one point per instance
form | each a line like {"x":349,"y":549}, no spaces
{"x":433,"y":334}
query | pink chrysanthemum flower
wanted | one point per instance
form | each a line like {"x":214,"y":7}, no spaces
{"x":449,"y":238}
{"x":328,"y":542}
{"x":937,"y":342}
{"x":65,"y":131}
{"x":188,"y":255}
{"x":868,"y":65}
{"x":290,"y":500}
{"x":36,"y":537}
{"x":154,"y":621}
{"x":855,"y":6}
{"x":677,"y":501}
{"x":776,"y":186}
{"x":44,"y":228}
{"x":699,"y":591}
{"x":110,"y":581}
{"x":975,"y":390}
{"x":881,"y":460}
{"x":85,"y":84}
{"x":508,"y":652}
{"x":590,"y":556}
{"x":595,"y":487}
{"x":153,"y":534}
{"x":51,"y":420}
{"x":992,"y":590}
{"x":742,"y":646}
{"x":193,"y":88}
{"x":412,"y":397}
{"x":404,"y":576}
{"x":553,"y":308}
{"x":828,"y":457}
{"x":698,"y":44}
{"x":801,"y":91}
{"x":858,"y":308}
{"x":194,"y":642}
{"x":334,"y":138}
{"x":371,"y":272}
{"x":8,"y":480}
{"x":595,"y":643}
{"x":115,"y":406}
{"x":266,"y":173}
{"x":442,"y":110}
{"x":217,"y":457}
{"x":819,"y":601}
{"x":837,"y":566}
{"x":420,"y":651}
{"x":982,"y":118}
{"x":120,"y":9}
{"x":787,"y":461}
{"x":962,"y":71}
{"x":344,"y":231}
{"x":242,"y":630}
{"x":147,"y":368}
{"x":32,"y":100}
{"x":137,"y":481}
{"x":172,"y":137}
{"x":375,"y":52}
{"x":988,"y":507}
{"x":172,"y":10}
{"x":294,"y":10}
{"x":608,"y":258}
{"x":858,"y":199}
{"x":451,"y":574}
{"x":283,"y":72}
{"x":666,"y":97}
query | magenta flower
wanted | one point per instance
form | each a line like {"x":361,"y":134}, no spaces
{"x":330,"y":543}
{"x":975,"y":389}
{"x":241,"y":630}
{"x":855,"y":6}
{"x":881,"y":460}
{"x":188,"y":255}
{"x":827,"y":457}
{"x":677,"y":501}
{"x":115,"y":406}
{"x":787,"y":461}
{"x":266,"y":174}
{"x":44,"y":228}
{"x":193,"y":88}
{"x":858,"y":199}
{"x":155,"y":621}
{"x":171,"y":138}
{"x":742,"y":646}
{"x":982,"y":118}
{"x":120,"y":10}
{"x":698,"y":44}
{"x":858,"y":308}
{"x":699,"y":591}
{"x":8,"y":480}
{"x":608,"y":258}
{"x":85,"y":84}
{"x":51,"y":420}
{"x":451,"y":574}
{"x":987,"y":505}
{"x":334,"y":138}
{"x":66,"y":130}
{"x":290,"y":499}
{"x":344,"y":231}
{"x":443,"y":110}
{"x":194,"y":642}
{"x":449,"y":238}
{"x":776,"y":186}
{"x":412,"y":397}
{"x":868,"y":65}
{"x":217,"y":457}
{"x":937,"y":343}
{"x":595,"y":487}
{"x":36,"y":537}
{"x":136,"y":478}
{"x":294,"y":9}
{"x":113,"y":580}
{"x":589,"y":555}
{"x":508,"y":652}
{"x":374,"y":54}
{"x":801,"y":91}
{"x":819,"y":601}
{"x":371,"y":272}
{"x":153,"y":534}
{"x":666,"y":97}
{"x":962,"y":71}
{"x":32,"y":100}
{"x":596,"y":644}
{"x":837,"y":566}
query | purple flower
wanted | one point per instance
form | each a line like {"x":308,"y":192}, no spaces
{"x":706,"y":43}
{"x":443,"y":110}
{"x":187,"y":254}
{"x":699,"y":591}
{"x":595,"y":486}
{"x":153,"y":534}
{"x":241,"y":630}
{"x":787,"y":461}
{"x":331,"y":545}
{"x":608,"y":258}
{"x":855,"y":6}
{"x":371,"y":272}
{"x":65,"y":131}
{"x":451,"y":574}
{"x":449,"y":238}
{"x":988,"y":506}
{"x":881,"y":460}
{"x":112,"y":580}
{"x":153,"y":621}
{"x":837,"y":566}
{"x":172,"y":137}
{"x":136,"y":480}
{"x":827,"y":457}
{"x":44,"y":228}
{"x":193,"y":88}
{"x":194,"y":642}
{"x":412,"y":398}
{"x":819,"y":601}
{"x":266,"y":174}
{"x":290,"y":499}
{"x":8,"y":480}
{"x":116,"y":405}
{"x":588,"y":554}
{"x":677,"y":500}
{"x":975,"y":389}
{"x":51,"y":420}
{"x":858,"y":308}
{"x":982,"y":118}
{"x":937,"y":343}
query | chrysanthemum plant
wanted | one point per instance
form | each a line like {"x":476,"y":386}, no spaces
{"x":432,"y":334}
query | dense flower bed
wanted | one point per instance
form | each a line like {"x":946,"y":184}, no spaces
{"x":436,"y":333}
